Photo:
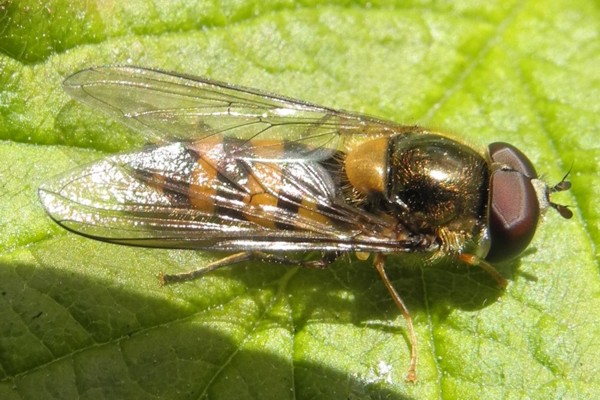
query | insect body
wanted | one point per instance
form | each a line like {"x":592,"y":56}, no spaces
{"x":237,"y":170}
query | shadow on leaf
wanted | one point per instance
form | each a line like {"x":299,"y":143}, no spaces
{"x":67,"y":335}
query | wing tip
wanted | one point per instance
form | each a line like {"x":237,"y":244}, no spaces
{"x":81,"y":78}
{"x":51,"y":202}
{"x":95,"y":75}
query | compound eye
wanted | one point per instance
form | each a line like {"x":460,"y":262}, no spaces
{"x":514,"y":214}
{"x":509,"y":155}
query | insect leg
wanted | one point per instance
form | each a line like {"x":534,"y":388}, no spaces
{"x":236,"y":258}
{"x":475,"y":261}
{"x":379,"y":264}
{"x":328,"y":258}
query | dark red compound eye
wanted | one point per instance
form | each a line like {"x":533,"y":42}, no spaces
{"x":514,"y":206}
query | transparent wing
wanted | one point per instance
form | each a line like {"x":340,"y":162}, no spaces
{"x":159,"y":197}
{"x":165,"y":107}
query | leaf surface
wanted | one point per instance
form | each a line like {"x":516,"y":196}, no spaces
{"x":87,"y":319}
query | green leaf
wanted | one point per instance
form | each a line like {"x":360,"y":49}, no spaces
{"x":87,"y":319}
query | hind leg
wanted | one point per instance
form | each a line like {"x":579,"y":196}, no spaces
{"x":328,"y":258}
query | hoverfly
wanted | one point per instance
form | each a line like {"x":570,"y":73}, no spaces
{"x":259,"y":175}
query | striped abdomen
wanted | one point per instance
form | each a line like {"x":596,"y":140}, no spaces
{"x":267,"y":182}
